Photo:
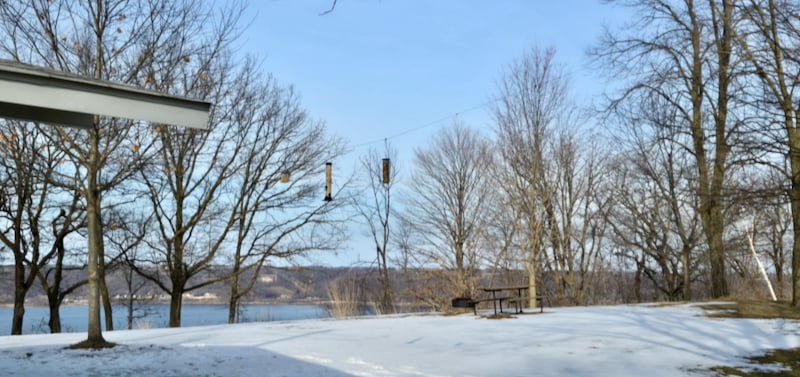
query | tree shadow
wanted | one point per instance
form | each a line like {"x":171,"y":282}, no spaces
{"x":157,"y":360}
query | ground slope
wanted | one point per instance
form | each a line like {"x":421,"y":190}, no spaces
{"x":593,"y":341}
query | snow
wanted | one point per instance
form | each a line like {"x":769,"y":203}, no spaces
{"x":634,"y":340}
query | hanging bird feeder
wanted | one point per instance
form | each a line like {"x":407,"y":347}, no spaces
{"x":386,"y":170}
{"x":328,"y":173}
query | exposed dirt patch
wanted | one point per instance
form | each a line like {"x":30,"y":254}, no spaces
{"x":92,"y":344}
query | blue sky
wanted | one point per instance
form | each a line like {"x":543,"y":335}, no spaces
{"x":374,"y":69}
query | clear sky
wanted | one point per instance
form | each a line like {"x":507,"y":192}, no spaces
{"x":403,"y":69}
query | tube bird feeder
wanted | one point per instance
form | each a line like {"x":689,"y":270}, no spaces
{"x":386,"y":171}
{"x":328,"y":179}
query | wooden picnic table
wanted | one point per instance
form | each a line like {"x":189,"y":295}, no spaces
{"x":492,"y":295}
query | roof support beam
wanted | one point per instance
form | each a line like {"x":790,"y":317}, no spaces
{"x":35,"y":94}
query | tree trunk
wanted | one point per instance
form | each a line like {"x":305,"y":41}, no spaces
{"x":54,"y":296}
{"x":55,"y":316}
{"x":130,"y":296}
{"x":637,"y":281}
{"x":19,"y":297}
{"x":176,"y":300}
{"x":94,"y":229}
{"x":719,"y":282}
{"x":794,"y":195}
{"x":687,"y":273}
{"x":723,"y":25}
{"x":779,"y":280}
{"x":19,"y":312}
{"x":130,"y":310}
{"x":531,"y":265}
{"x":107,"y":309}
{"x":460,"y":273}
{"x":532,"y":285}
{"x":388,"y":305}
{"x":234,"y":298}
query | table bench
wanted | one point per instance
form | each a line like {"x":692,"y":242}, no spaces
{"x":514,"y":296}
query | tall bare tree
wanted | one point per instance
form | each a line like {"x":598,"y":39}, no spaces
{"x":453,"y":201}
{"x":577,"y":218}
{"x":51,"y":279}
{"x":276,"y":208}
{"x":22,"y":192}
{"x":681,"y":52}
{"x":30,"y":206}
{"x":375,"y":207}
{"x":192,"y":174}
{"x":655,"y":218}
{"x":771,"y":44}
{"x":141,"y":43}
{"x":533,"y":102}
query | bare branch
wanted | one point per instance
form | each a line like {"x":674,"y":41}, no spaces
{"x":329,"y":11}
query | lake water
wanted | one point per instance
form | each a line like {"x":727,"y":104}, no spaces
{"x":73,"y":318}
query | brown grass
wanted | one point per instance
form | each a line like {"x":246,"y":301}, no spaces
{"x":499,"y":316}
{"x":787,"y":359}
{"x":346,"y":296}
{"x":752,"y":309}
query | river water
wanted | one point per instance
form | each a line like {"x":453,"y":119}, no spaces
{"x":73,"y":318}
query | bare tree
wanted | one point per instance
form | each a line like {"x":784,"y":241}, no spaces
{"x":186,"y":186}
{"x":52,"y":278}
{"x":276,"y":208}
{"x":452,"y":203}
{"x":533,"y":102}
{"x":20,"y":195}
{"x":375,"y":207}
{"x":29,"y":207}
{"x":125,"y":233}
{"x":141,"y":43}
{"x":764,"y":223}
{"x":682,"y":53}
{"x":577,"y":223}
{"x":655,"y":218}
{"x":770,"y":47}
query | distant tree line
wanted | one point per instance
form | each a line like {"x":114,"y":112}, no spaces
{"x":655,"y":194}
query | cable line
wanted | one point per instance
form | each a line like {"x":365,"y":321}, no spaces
{"x":425,"y":125}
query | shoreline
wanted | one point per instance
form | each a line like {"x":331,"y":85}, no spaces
{"x":186,"y":303}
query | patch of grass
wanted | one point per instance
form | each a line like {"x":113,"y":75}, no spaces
{"x":451,"y":313}
{"x":781,"y":362}
{"x":787,"y":360}
{"x":752,"y":309}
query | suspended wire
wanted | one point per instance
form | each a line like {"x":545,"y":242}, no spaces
{"x":425,"y":125}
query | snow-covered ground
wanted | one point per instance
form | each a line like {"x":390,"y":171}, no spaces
{"x":589,"y":341}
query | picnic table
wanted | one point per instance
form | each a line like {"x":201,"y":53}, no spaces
{"x":514,"y":294}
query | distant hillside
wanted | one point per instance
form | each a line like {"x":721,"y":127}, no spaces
{"x":288,"y":285}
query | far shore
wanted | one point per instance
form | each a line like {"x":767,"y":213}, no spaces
{"x":186,"y":302}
